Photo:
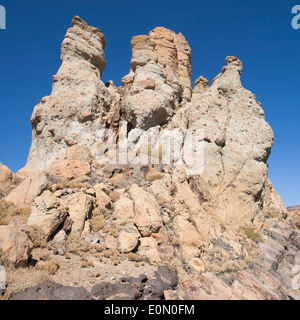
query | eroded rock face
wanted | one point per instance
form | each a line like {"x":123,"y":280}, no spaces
{"x":238,"y":142}
{"x":159,"y":78}
{"x":79,"y":102}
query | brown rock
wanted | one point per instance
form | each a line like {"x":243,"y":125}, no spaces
{"x":294,"y":215}
{"x":85,"y":116}
{"x":15,"y":246}
{"x":201,"y":85}
{"x":80,"y":206}
{"x":160,"y":62}
{"x":148,"y":249}
{"x":160,"y":238}
{"x":6,"y":175}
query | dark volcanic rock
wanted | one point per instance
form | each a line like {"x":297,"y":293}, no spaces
{"x":53,"y":291}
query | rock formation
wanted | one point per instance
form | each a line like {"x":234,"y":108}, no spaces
{"x":223,"y":226}
{"x":79,"y":102}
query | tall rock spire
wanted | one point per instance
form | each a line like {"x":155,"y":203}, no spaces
{"x":79,"y":102}
{"x":164,"y":59}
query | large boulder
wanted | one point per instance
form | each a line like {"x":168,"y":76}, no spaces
{"x":80,"y":206}
{"x":123,"y":209}
{"x":15,"y":246}
{"x":128,"y":238}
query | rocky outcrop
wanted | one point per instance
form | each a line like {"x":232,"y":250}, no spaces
{"x":223,"y":227}
{"x":238,"y":142}
{"x":271,"y":276}
{"x":79,"y":102}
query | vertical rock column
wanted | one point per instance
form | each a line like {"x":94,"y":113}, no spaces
{"x":159,"y":78}
{"x":79,"y":102}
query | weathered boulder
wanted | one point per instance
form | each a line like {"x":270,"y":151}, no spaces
{"x":147,"y":216}
{"x":148,"y":249}
{"x":28,"y":190}
{"x":128,"y":238}
{"x":48,"y":213}
{"x":123,"y":209}
{"x":102,"y":199}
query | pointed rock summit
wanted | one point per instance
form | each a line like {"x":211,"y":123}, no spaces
{"x":163,"y":58}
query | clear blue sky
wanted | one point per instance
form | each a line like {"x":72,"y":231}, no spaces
{"x":257,"y":32}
